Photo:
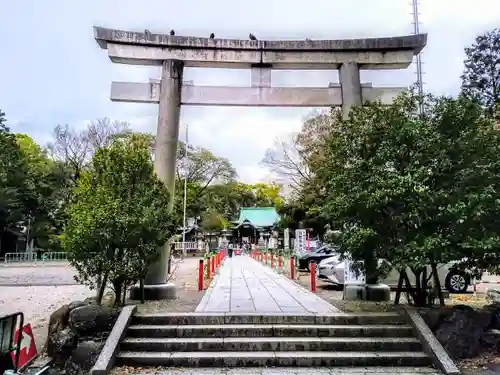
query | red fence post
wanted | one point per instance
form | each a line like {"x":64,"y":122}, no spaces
{"x":292,"y":268}
{"x":213,"y":263}
{"x":200,"y":275}
{"x":312,"y":267}
{"x":209,"y":274}
{"x":272,"y":260}
{"x":280,"y":261}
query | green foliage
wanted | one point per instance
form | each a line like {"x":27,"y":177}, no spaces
{"x":481,"y":76}
{"x":118,"y":215}
{"x":214,"y":221}
{"x":42,"y":186}
{"x":415,"y":190}
{"x":12,"y":177}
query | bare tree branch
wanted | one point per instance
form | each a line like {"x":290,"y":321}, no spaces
{"x":101,"y":132}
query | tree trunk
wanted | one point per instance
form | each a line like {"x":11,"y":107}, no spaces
{"x":420,"y":296}
{"x":117,"y":286}
{"x":437,"y":283}
{"x":124,"y":292}
{"x":371,"y":268}
{"x":102,"y":287}
{"x":141,"y":287}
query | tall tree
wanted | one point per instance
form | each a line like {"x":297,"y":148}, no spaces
{"x":290,"y":157}
{"x":12,"y":179}
{"x":288,"y":162}
{"x":101,"y":132}
{"x":414,"y":190}
{"x":202,"y":169}
{"x":45,"y":187}
{"x":481,"y":76}
{"x":75,"y":148}
{"x":117,"y":216}
{"x":71,"y":147}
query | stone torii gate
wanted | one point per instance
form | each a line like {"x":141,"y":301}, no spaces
{"x":173,"y":53}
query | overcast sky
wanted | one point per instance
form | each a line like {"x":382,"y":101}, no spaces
{"x":52,"y":71}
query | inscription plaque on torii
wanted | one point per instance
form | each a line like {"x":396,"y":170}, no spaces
{"x":172,"y":53}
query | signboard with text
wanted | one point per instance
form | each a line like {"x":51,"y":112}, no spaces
{"x":300,"y":240}
{"x":286,"y":238}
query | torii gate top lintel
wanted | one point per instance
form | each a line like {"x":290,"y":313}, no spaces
{"x":146,"y":48}
{"x":414,"y":43}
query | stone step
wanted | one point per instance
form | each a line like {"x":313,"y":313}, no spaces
{"x":281,"y":318}
{"x":270,"y":330}
{"x":244,"y":344}
{"x":261,"y":359}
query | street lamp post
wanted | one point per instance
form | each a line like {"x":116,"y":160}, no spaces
{"x":184,"y":224}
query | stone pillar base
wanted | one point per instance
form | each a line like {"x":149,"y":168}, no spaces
{"x":154,"y":292}
{"x":373,"y":292}
{"x":378,"y":293}
{"x":354,"y":292}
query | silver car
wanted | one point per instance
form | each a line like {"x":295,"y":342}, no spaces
{"x":331,"y":270}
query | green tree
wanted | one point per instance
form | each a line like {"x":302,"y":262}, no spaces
{"x":481,"y":76}
{"x":414,"y":190}
{"x":41,"y":192}
{"x":117,"y":217}
{"x":203,"y":170}
{"x":12,"y":178}
{"x":213,"y":221}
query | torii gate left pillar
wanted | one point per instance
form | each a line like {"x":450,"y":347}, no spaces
{"x":167,"y":137}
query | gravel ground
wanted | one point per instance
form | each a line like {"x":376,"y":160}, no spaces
{"x":184,"y":275}
{"x":38,"y":302}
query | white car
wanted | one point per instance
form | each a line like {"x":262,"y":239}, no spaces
{"x":331,"y":270}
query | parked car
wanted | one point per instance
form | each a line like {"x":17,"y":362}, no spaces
{"x":452,"y":278}
{"x":315,"y":255}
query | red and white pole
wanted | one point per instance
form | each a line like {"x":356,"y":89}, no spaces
{"x":200,"y":275}
{"x":312,"y":267}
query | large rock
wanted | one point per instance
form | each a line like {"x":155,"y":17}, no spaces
{"x":493,"y":294}
{"x":491,"y":339}
{"x":92,"y":320}
{"x":75,"y":304}
{"x":434,"y":317}
{"x":83,"y":357}
{"x":58,"y":321}
{"x":494,"y":310}
{"x":461,"y":332}
{"x":60,"y":345}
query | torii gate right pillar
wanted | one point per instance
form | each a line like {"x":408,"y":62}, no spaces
{"x":350,"y":84}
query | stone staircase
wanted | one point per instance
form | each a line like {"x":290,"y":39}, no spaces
{"x":245,"y":340}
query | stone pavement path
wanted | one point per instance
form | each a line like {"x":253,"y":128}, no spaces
{"x":245,"y":286}
{"x":299,"y":371}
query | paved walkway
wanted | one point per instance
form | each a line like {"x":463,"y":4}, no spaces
{"x":301,"y":371}
{"x":244,"y":285}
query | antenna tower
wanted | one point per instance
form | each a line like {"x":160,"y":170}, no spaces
{"x":419,"y":72}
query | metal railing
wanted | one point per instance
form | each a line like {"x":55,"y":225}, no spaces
{"x":190,"y":246}
{"x":20,"y":258}
{"x":32,"y":257}
{"x":54,"y":256}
